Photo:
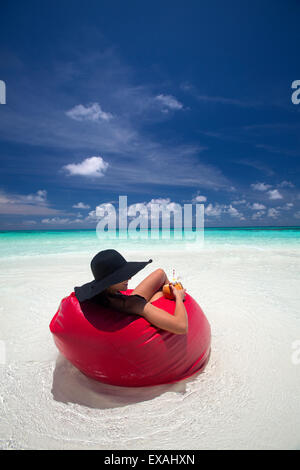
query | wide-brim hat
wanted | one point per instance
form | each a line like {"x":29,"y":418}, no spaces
{"x":108,"y":267}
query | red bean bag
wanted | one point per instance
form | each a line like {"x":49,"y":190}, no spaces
{"x":126,"y":350}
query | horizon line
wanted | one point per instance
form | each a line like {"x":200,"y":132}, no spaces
{"x":246,"y":227}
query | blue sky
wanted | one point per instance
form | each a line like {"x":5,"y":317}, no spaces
{"x":169,"y":101}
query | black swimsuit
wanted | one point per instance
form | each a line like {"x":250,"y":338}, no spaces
{"x":131,"y":304}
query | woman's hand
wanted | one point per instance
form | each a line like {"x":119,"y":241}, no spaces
{"x":178,"y":293}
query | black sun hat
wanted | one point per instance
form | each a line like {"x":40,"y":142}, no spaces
{"x":108,"y":267}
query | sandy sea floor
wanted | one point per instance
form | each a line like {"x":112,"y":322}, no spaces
{"x":247,"y":398}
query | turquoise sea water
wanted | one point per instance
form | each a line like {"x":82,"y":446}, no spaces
{"x":34,"y":243}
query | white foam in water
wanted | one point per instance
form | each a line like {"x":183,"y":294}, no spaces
{"x":248,"y":397}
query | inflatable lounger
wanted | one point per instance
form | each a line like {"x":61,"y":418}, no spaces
{"x":126,"y":350}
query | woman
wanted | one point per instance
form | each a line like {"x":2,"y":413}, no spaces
{"x":112,"y":272}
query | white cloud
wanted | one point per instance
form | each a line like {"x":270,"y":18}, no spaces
{"x":257,"y":207}
{"x":274,"y":213}
{"x":222,"y":209}
{"x":90,"y":167}
{"x":214,"y":210}
{"x":101,"y":210}
{"x":258,"y":214}
{"x":286,"y":207}
{"x":241,"y":201}
{"x":234,"y":212}
{"x":93,"y":112}
{"x":153,"y":207}
{"x":141,"y":208}
{"x":148,"y":209}
{"x":39,"y":198}
{"x":286,"y":184}
{"x":77,"y":221}
{"x":4,"y":199}
{"x":260,"y":186}
{"x":275,"y":194}
{"x":26,"y":204}
{"x":169,"y":102}
{"x":200,"y":198}
{"x":160,"y":201}
{"x":61,"y":221}
{"x":91,"y":215}
{"x":55,"y":220}
{"x":81,"y":205}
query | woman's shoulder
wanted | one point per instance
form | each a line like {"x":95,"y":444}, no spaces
{"x":132,"y":304}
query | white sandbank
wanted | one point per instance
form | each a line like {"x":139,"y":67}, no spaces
{"x":248,"y":397}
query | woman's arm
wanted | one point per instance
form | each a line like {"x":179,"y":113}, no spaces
{"x":177,"y":323}
{"x":151,"y":284}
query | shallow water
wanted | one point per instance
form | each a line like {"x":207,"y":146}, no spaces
{"x":247,"y":398}
{"x":35,"y":243}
